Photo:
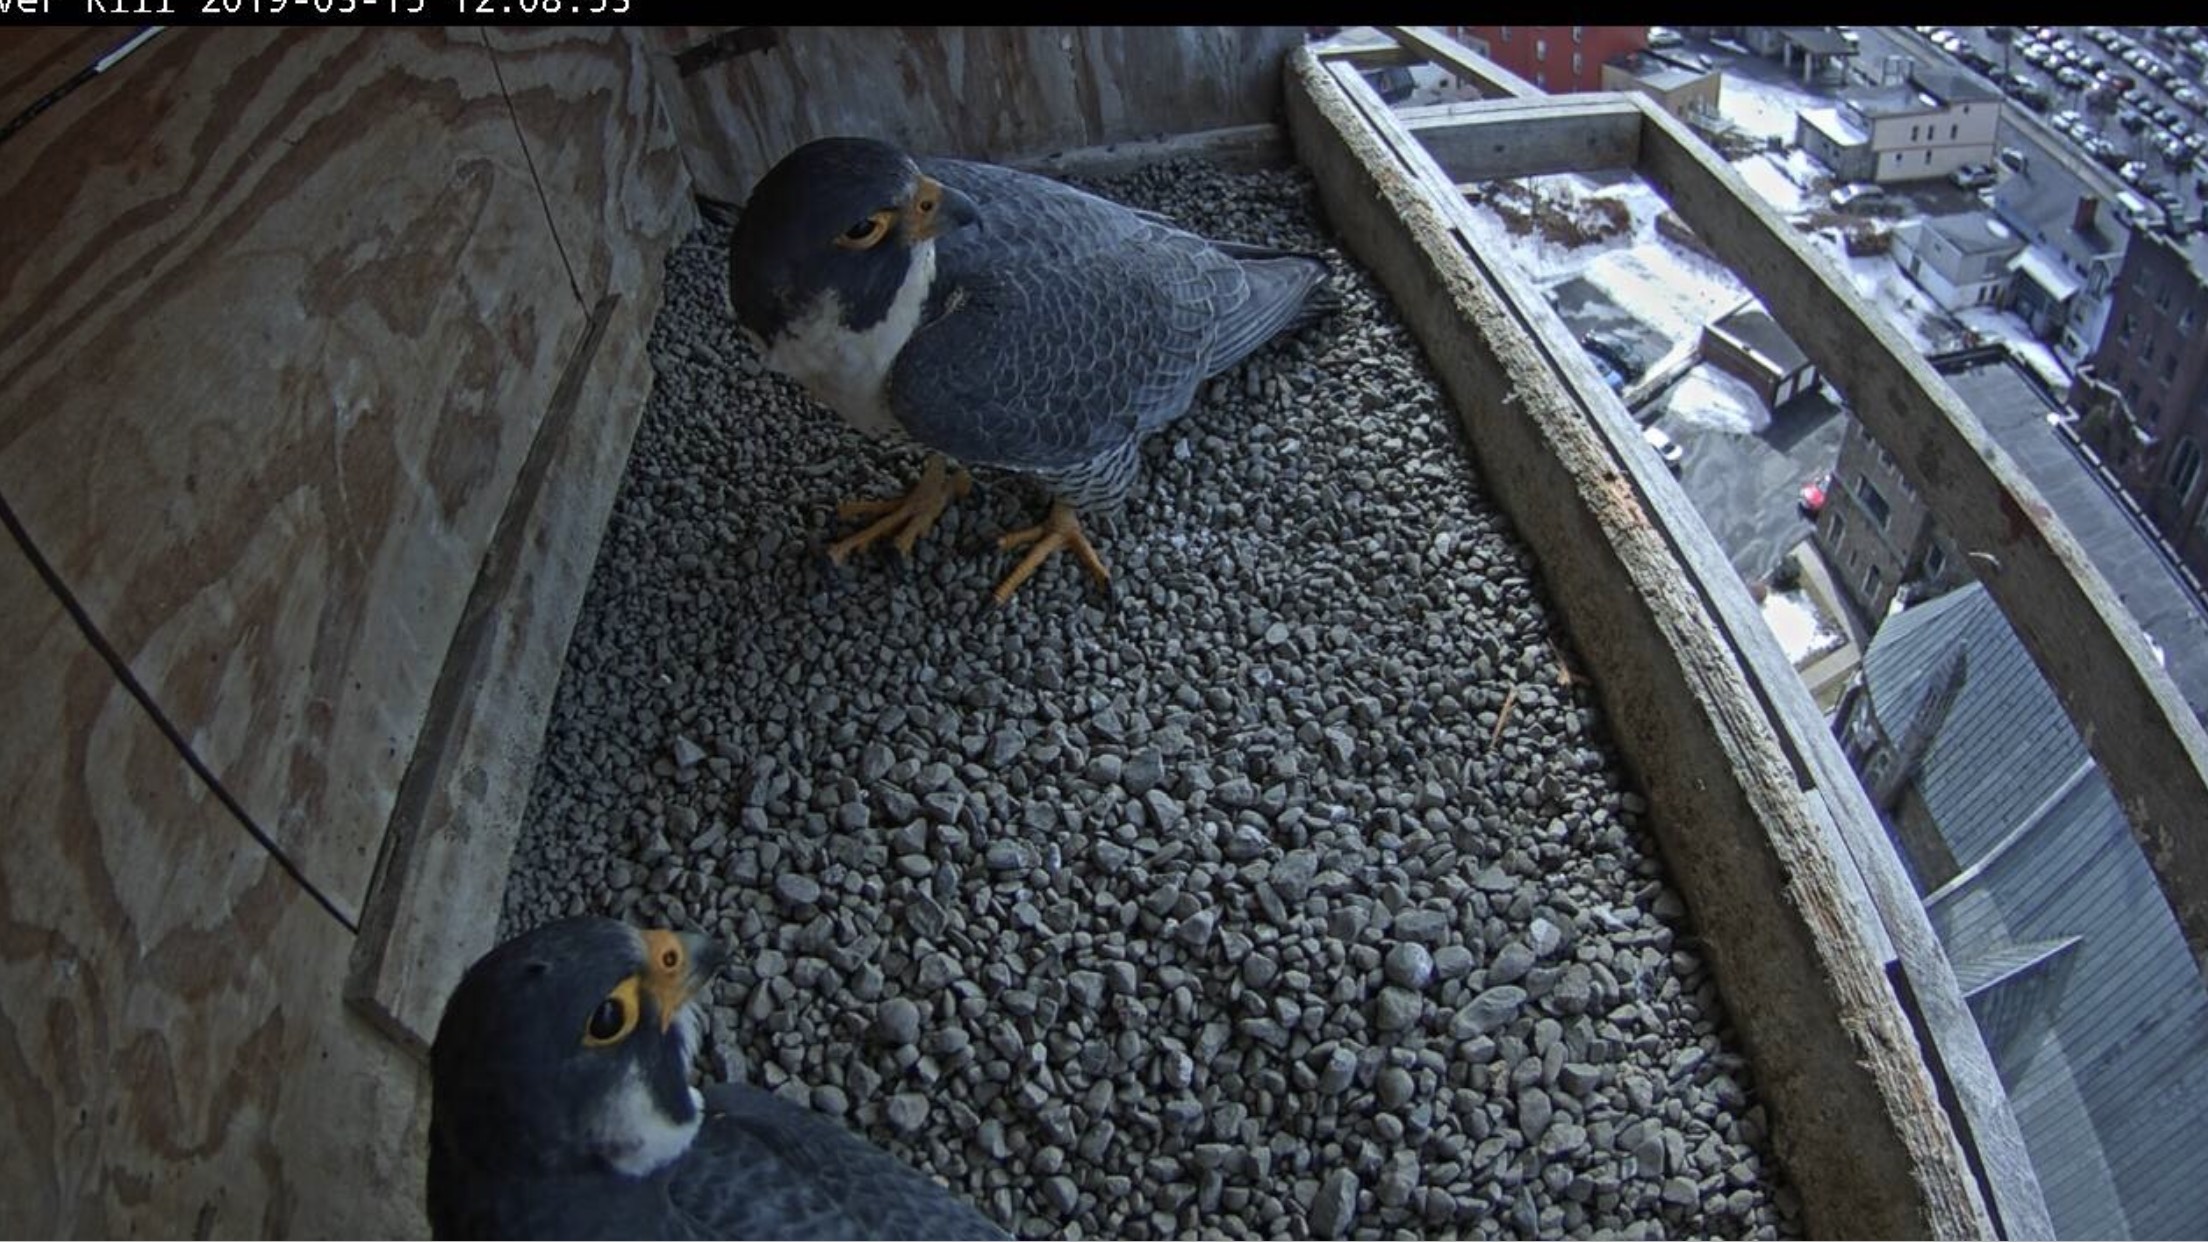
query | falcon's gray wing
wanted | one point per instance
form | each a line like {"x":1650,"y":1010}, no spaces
{"x":1065,"y":326}
{"x":764,"y":1168}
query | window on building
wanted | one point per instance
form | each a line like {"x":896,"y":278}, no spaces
{"x":1897,"y":157}
{"x":2169,"y":367}
{"x":2127,"y":327}
{"x":1912,"y":133}
{"x":1579,"y":34}
{"x":1540,"y":49}
{"x":2184,"y":469}
{"x":1953,"y":132}
{"x":1837,"y":528}
{"x":1873,"y":501}
{"x":2153,"y":415}
{"x":2185,"y":321}
{"x":1934,"y":561}
{"x":1506,"y":34}
{"x":1541,"y":78}
{"x":1577,"y":67}
{"x":1872,"y":580}
{"x":1928,"y":155}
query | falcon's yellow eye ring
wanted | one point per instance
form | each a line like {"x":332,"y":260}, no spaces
{"x":866,"y":233}
{"x":615,"y":1017}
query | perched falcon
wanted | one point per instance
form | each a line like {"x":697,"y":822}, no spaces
{"x":561,"y":1107}
{"x":998,"y":318}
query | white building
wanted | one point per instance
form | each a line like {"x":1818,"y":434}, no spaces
{"x":1961,"y":260}
{"x":1928,"y":127}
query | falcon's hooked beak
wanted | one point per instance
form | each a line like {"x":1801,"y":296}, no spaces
{"x":936,"y":209}
{"x":678,"y":966}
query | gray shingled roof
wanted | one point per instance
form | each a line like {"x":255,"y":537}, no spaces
{"x":2079,"y":977}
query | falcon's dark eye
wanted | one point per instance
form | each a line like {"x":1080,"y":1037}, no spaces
{"x":867,"y":232}
{"x":615,"y":1017}
{"x":607,"y":1022}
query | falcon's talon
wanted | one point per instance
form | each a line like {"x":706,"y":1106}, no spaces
{"x":906,"y":519}
{"x":1062,"y":529}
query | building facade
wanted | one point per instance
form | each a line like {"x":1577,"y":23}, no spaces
{"x":1875,"y":531}
{"x":1561,"y":60}
{"x":1685,"y":91}
{"x":1928,"y":127}
{"x":2144,"y":399}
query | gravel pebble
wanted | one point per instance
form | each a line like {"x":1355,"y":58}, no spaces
{"x":1198,"y":911}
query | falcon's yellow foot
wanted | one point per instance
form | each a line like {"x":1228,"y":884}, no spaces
{"x":1061,"y":529}
{"x":910,"y":517}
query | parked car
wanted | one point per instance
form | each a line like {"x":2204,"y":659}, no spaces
{"x":1664,"y":36}
{"x":2015,"y":159}
{"x":1973,"y":177}
{"x":1812,"y":502}
{"x":1859,"y":196}
{"x":1666,"y":448}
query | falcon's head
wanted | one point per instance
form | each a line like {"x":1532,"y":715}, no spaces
{"x":568,"y":1049}
{"x":839,"y":234}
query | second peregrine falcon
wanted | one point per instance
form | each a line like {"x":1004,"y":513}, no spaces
{"x":996,"y":317}
{"x":561,"y":1107}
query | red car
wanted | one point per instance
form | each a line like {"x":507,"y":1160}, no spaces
{"x":1813,"y":496}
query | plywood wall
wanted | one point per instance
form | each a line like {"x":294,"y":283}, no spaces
{"x":990,"y":92}
{"x":276,"y":371}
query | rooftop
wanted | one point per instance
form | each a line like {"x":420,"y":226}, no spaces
{"x":2101,"y":1053}
{"x":1753,"y":327}
{"x":2015,"y":411}
{"x":1975,"y":232}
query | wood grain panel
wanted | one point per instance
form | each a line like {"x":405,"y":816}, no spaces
{"x":174,"y":1058}
{"x":268,"y":379}
{"x":991,"y":92}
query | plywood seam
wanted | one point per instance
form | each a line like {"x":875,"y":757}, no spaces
{"x":536,"y":181}
{"x":120,"y":668}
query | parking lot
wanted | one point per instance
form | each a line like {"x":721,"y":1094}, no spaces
{"x":2134,"y":100}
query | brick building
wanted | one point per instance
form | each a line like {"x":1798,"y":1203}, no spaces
{"x":2144,"y":399}
{"x":1561,"y":60}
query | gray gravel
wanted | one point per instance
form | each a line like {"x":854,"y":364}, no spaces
{"x":1208,"y":909}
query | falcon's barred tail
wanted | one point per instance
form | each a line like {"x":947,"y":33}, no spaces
{"x":1285,"y":293}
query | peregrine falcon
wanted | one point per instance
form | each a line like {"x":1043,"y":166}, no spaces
{"x":561,"y":1106}
{"x":999,"y":318}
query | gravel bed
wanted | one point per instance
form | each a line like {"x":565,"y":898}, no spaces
{"x":1294,"y":889}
